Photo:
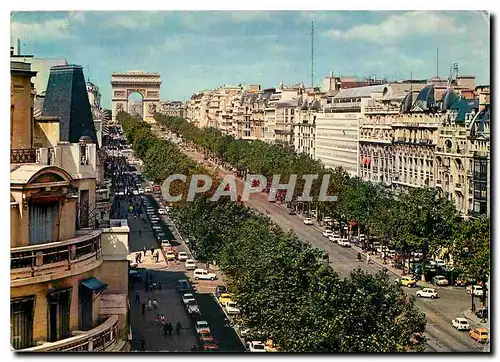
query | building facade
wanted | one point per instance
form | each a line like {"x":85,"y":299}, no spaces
{"x":60,"y":255}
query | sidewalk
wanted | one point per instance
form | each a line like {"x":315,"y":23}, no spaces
{"x":475,"y":322}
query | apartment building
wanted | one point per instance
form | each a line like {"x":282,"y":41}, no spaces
{"x":337,"y":127}
{"x":304,"y":128}
{"x":68,"y":271}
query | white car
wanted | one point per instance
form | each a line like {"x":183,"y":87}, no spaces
{"x":162,"y":211}
{"x":327,"y":233}
{"x":166,"y":244}
{"x":147,"y":189}
{"x":186,"y":297}
{"x":427,"y":293}
{"x":461,"y":324}
{"x":202,"y":325}
{"x":327,"y":219}
{"x":232,"y":308}
{"x":141,"y":191}
{"x":478,"y":290}
{"x":192,"y":307}
{"x":135,"y":192}
{"x":334,"y":238}
{"x":345,"y":243}
{"x":256,"y":346}
{"x":308,"y":221}
{"x":154,"y":218}
{"x":182,"y":256}
{"x":440,"y":263}
{"x":202,"y":274}
{"x":440,"y":280}
{"x":190,"y":264}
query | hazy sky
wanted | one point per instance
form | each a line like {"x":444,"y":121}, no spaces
{"x":203,"y":50}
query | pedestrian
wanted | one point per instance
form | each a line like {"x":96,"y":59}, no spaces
{"x":137,"y":258}
{"x":137,"y":298}
{"x":140,"y":257}
{"x":157,"y":256}
{"x":162,"y":319}
{"x":152,"y":250}
{"x":150,"y":304}
{"x":143,"y":344}
{"x":178,"y":328}
{"x":155,"y":305}
{"x":143,"y":308}
{"x":170,"y":328}
{"x":367,"y":259}
{"x":165,"y":328}
{"x":144,"y":250}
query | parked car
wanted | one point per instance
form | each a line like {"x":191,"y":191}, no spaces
{"x":219,"y":290}
{"x":327,"y":219}
{"x":162,"y":211}
{"x":344,"y":243}
{"x":182,"y":256}
{"x":476,"y":289}
{"x":406,"y":281}
{"x":327,"y":233}
{"x":460,"y":324}
{"x":186,"y":297}
{"x":308,"y":221}
{"x":190,"y":264}
{"x":440,"y":280}
{"x":165,"y":244}
{"x":334,"y":238}
{"x":427,"y":293}
{"x":192,"y":307}
{"x":231,"y":308}
{"x":202,"y":325}
{"x":440,"y":263}
{"x":170,"y":255}
{"x":203,"y":275}
{"x":147,"y":189}
{"x":256,"y":346}
{"x":479,"y":334}
{"x":225,"y":298}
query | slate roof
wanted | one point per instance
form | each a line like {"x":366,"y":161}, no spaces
{"x":463,"y":106}
{"x":360,"y":92}
{"x":67,"y":98}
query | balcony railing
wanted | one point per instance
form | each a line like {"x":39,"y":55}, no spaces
{"x":45,"y":260}
{"x":96,"y":340}
{"x":20,"y":155}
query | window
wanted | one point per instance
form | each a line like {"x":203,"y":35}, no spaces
{"x":58,"y":302}
{"x":21,"y":322}
{"x":83,"y":154}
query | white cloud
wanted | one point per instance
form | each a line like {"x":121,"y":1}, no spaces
{"x":400,"y":26}
{"x":319,"y":16}
{"x":49,"y":29}
{"x":132,"y":19}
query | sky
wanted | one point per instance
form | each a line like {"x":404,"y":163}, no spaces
{"x":197,"y":50}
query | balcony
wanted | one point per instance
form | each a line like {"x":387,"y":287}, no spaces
{"x":101,"y":338}
{"x":44,"y":262}
{"x":21,"y":155}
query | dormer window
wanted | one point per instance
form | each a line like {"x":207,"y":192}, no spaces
{"x":83,"y":154}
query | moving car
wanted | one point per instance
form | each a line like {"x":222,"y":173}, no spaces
{"x":192,"y":307}
{"x":440,"y":280}
{"x":231,"y":308}
{"x":256,"y":346}
{"x":460,"y":324}
{"x":186,"y":297}
{"x":205,"y":336}
{"x":202,"y":325}
{"x":344,"y":243}
{"x":210,"y":347}
{"x":427,"y":293}
{"x":327,"y":233}
{"x":182,"y":256}
{"x":479,"y":334}
{"x":308,"y":221}
{"x":162,"y":211}
{"x":406,"y":281}
{"x":225,"y":298}
{"x":190,"y":264}
{"x":183,"y":286}
{"x":219,"y":290}
{"x":202,"y":274}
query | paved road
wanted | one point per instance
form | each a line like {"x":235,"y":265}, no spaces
{"x":442,"y":337}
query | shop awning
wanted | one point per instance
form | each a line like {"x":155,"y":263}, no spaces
{"x":94,"y":284}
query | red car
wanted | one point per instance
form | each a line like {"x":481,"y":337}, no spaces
{"x":205,"y":336}
{"x":210,"y":347}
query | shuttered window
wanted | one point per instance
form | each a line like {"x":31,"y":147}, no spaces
{"x":59,"y":303}
{"x":21,"y":322}
{"x":43,"y":219}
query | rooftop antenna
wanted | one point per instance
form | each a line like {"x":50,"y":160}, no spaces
{"x":437,"y":62}
{"x":312,"y":54}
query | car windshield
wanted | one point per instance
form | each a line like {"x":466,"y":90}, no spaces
{"x":192,"y":303}
{"x":231,"y":304}
{"x":202,"y":325}
{"x":258,"y":346}
{"x":188,"y":295}
{"x":462,"y":322}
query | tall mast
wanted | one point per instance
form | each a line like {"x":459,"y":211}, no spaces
{"x":312,"y":54}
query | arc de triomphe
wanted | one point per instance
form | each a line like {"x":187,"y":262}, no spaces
{"x":146,"y":84}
